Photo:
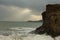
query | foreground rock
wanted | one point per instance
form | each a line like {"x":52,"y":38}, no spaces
{"x":51,"y":21}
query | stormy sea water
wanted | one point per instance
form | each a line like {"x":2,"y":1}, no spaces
{"x":21,"y":31}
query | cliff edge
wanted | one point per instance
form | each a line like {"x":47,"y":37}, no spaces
{"x":51,"y":21}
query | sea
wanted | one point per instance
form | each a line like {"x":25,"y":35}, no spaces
{"x":10,"y":30}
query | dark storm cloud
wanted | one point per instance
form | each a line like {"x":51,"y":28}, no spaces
{"x":9,"y":8}
{"x":32,"y":4}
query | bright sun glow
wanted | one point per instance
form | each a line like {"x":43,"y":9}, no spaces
{"x":26,"y":10}
{"x":35,"y":17}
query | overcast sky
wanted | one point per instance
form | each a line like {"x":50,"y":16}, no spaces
{"x":23,"y":10}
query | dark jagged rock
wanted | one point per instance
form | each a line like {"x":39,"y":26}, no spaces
{"x":51,"y":21}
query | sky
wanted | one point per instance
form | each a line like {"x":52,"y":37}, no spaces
{"x":23,"y":10}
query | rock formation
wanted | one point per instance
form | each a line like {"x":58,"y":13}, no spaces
{"x":51,"y":21}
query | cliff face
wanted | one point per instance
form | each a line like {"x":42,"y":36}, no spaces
{"x":51,"y":20}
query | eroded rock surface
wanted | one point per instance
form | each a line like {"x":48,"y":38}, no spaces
{"x":51,"y":21}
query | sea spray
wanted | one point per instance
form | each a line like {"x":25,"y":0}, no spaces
{"x":24,"y":34}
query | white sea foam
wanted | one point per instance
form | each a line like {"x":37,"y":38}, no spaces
{"x":29,"y":37}
{"x":23,"y":34}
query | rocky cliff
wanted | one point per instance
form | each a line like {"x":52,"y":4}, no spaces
{"x":51,"y":20}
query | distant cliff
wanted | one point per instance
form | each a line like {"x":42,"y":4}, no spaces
{"x":35,"y":21}
{"x":51,"y":20}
